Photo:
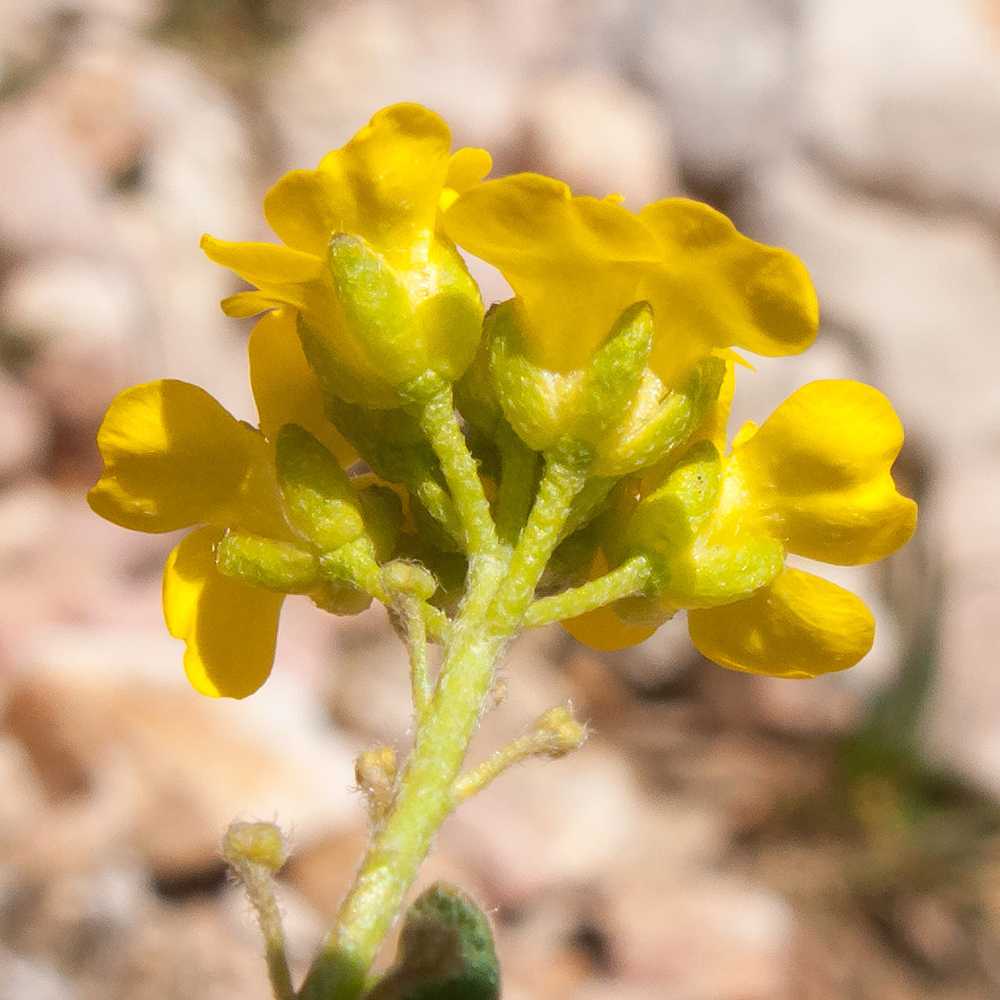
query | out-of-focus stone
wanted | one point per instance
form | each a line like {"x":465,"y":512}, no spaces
{"x":84,"y":317}
{"x":164,"y":770}
{"x":24,"y":433}
{"x":723,"y":70}
{"x":549,"y":823}
{"x":362,"y":55}
{"x":716,"y":939}
{"x":904,"y":98}
{"x":962,"y":724}
{"x":601,"y":136}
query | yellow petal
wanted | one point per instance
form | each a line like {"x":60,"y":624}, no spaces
{"x":717,"y":288}
{"x":229,"y":628}
{"x":394,"y":169}
{"x":574,"y":263}
{"x":466,"y":167}
{"x":602,"y":629}
{"x":797,"y":626}
{"x":173,"y":458}
{"x":286,"y":388}
{"x":821,"y":464}
{"x":306,"y":207}
{"x":264,"y":264}
{"x":244,"y":304}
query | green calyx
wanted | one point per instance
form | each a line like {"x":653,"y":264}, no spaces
{"x":318,"y":498}
{"x":704,"y":540}
{"x":284,"y":567}
{"x":391,"y":324}
{"x":615,"y":403}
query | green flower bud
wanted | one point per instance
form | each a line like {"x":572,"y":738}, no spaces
{"x":319,"y":499}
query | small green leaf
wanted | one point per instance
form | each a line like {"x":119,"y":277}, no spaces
{"x":445,"y":952}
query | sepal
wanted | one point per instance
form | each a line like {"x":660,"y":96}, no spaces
{"x":615,"y":403}
{"x":396,"y":322}
{"x":317,"y":493}
{"x":283,"y":567}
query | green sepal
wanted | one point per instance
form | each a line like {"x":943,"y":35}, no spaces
{"x":706,"y":549}
{"x":383,"y":515}
{"x":266,"y":563}
{"x":475,"y":398}
{"x":544,"y":406}
{"x":319,"y":499}
{"x":396,"y":450}
{"x":658,"y":421}
{"x":397,"y":321}
{"x":381,"y":330}
{"x":445,"y":952}
{"x":666,"y":520}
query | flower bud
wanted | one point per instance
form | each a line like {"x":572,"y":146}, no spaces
{"x":255,"y":843}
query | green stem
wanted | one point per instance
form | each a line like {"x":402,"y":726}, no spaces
{"x":434,"y":409}
{"x":629,"y":578}
{"x":498,"y":596}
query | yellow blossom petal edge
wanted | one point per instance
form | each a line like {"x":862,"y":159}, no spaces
{"x":822,"y":464}
{"x":393,"y":172}
{"x":263,"y":264}
{"x":798,"y":626}
{"x":286,"y":389}
{"x":573,"y":262}
{"x":466,"y":167}
{"x":173,"y":458}
{"x":602,"y":629}
{"x":229,"y":628}
{"x":717,"y":288}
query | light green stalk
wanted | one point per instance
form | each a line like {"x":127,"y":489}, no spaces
{"x":500,"y":589}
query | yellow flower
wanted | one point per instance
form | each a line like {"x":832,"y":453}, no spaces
{"x":380,"y":295}
{"x":576,"y":263}
{"x":813,"y":480}
{"x":174,"y":458}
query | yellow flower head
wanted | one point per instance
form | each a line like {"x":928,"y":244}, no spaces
{"x":576,"y":263}
{"x":174,"y":458}
{"x":380,"y":295}
{"x":813,"y":480}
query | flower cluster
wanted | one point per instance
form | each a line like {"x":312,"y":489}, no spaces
{"x":619,"y":346}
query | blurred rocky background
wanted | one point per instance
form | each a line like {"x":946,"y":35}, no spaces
{"x":721,"y":837}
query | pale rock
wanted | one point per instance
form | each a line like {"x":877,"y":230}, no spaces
{"x":22,"y":977}
{"x":24,"y":432}
{"x":723,"y":71}
{"x":711,"y":939}
{"x":924,"y":292}
{"x":369,"y":689}
{"x":165,"y":770}
{"x":601,"y":136}
{"x":658,"y":661}
{"x":86,"y":317}
{"x":360,"y":56}
{"x":548,"y":824}
{"x":903,"y":96}
{"x":962,"y":721}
